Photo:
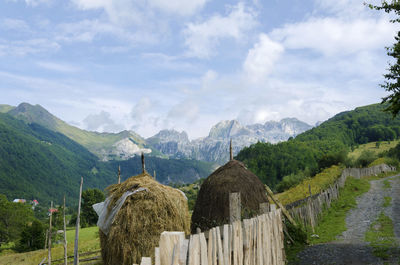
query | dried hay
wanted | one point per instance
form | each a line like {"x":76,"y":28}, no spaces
{"x":212,"y":204}
{"x":136,"y":229}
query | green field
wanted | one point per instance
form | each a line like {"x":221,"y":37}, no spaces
{"x":317,"y":183}
{"x":88,"y":241}
{"x":384,"y":146}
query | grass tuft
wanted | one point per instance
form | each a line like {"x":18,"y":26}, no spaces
{"x":381,"y":236}
{"x":333,"y":220}
{"x":387,"y":201}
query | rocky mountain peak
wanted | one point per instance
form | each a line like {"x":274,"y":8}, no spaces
{"x":226,"y":129}
{"x":171,"y":136}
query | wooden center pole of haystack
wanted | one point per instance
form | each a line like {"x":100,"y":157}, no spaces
{"x":230,"y":151}
{"x":119,"y":174}
{"x":234,"y":207}
{"x":76,"y":254}
{"x":65,"y":236}
{"x":51,"y":214}
{"x":143,"y":165}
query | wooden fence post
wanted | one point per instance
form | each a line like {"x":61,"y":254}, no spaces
{"x":76,"y":254}
{"x":170,"y":245}
{"x":234,"y":207}
{"x":51,"y":214}
{"x":65,"y":236}
{"x":264,"y":207}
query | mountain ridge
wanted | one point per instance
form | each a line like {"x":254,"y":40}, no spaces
{"x":166,"y":143}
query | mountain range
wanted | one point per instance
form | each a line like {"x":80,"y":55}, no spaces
{"x":166,"y":143}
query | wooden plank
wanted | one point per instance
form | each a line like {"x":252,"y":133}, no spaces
{"x":246,"y":241}
{"x":214,"y":246}
{"x":220,"y":252}
{"x":235,"y":243}
{"x":203,"y":250}
{"x":277,"y":202}
{"x":170,"y":243}
{"x":227,"y":240}
{"x":194,"y":250}
{"x":157,"y":260}
{"x":259,"y":242}
{"x":145,"y":261}
{"x":183,"y":252}
{"x":254,"y":239}
{"x":234,"y":207}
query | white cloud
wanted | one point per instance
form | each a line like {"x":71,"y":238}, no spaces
{"x":101,"y":122}
{"x":140,"y":110}
{"x":180,"y":7}
{"x":201,"y":39}
{"x":14,"y":24}
{"x":59,"y":67}
{"x":26,"y":47}
{"x":335,"y":36}
{"x":261,"y":58}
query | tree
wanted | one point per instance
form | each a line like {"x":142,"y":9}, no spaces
{"x":13,"y":218}
{"x":90,"y":197}
{"x":392,"y":82}
{"x":32,"y":236}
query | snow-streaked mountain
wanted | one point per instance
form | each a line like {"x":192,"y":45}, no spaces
{"x":215,"y":146}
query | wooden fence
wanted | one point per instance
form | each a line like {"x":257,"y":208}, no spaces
{"x":308,"y":210}
{"x":255,"y":241}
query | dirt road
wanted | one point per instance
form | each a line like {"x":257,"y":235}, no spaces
{"x":350,"y":247}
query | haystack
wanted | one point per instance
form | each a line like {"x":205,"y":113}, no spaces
{"x":212,"y":204}
{"x":136,"y":228}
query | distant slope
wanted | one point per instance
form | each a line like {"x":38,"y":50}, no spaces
{"x":37,"y":163}
{"x":105,"y":145}
{"x":5,"y":108}
{"x":322,"y":146}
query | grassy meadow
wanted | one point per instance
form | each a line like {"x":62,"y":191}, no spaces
{"x":372,"y":147}
{"x":88,"y":241}
{"x":317,"y":183}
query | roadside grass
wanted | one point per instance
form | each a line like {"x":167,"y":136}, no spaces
{"x":318,"y":183}
{"x":333,"y":220}
{"x":382,"y":175}
{"x":387,"y":201}
{"x":88,"y":241}
{"x":386,"y":184}
{"x":383,"y":146}
{"x":381,"y":237}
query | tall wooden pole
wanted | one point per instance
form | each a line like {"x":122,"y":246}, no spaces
{"x":119,"y":174}
{"x":76,"y":254}
{"x":143,"y":164}
{"x":65,"y":236}
{"x":230,"y":151}
{"x":51,"y":214}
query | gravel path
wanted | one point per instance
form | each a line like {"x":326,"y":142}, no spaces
{"x":349,"y":247}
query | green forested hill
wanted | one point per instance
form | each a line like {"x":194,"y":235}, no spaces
{"x":321,"y":146}
{"x":37,"y":163}
{"x":95,"y":142}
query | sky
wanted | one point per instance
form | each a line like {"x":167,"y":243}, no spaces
{"x":111,"y":65}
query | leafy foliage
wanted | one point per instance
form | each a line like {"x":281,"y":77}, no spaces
{"x":13,"y":217}
{"x":90,"y":197}
{"x":33,"y":236}
{"x":322,"y":146}
{"x":392,"y":82}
